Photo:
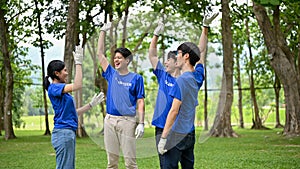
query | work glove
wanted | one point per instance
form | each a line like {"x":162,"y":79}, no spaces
{"x":78,"y":55}
{"x":106,"y":26}
{"x":161,"y":146}
{"x":209,"y":17}
{"x":159,"y":29}
{"x":139,"y":131}
{"x":97,"y":99}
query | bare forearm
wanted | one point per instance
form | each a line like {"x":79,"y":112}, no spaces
{"x":83,"y":109}
{"x":153,"y":51}
{"x":203,"y":44}
{"x":141,"y":110}
{"x":101,"y":44}
{"x":169,"y":123}
{"x":101,"y":50}
{"x":78,"y":77}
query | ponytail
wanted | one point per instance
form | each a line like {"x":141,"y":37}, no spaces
{"x":46,"y":82}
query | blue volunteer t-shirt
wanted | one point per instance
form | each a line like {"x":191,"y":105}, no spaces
{"x":123,"y":92}
{"x":163,"y":99}
{"x":64,"y":107}
{"x":186,"y":90}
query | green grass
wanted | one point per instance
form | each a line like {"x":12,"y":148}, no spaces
{"x":36,"y":122}
{"x":265,"y":149}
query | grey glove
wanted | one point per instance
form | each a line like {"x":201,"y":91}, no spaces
{"x":106,"y":26}
{"x":97,"y":99}
{"x":209,"y":17}
{"x":161,"y":146}
{"x":78,"y":55}
{"x":159,"y":29}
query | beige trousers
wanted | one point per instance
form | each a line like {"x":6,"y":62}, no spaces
{"x":119,"y":134}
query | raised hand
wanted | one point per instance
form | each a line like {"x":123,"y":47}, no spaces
{"x":209,"y":16}
{"x":97,"y":99}
{"x":78,"y":55}
{"x":159,"y":29}
{"x":106,"y":26}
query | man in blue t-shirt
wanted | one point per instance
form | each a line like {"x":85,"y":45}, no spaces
{"x":166,"y":77}
{"x":125,"y":97}
{"x":179,"y":127}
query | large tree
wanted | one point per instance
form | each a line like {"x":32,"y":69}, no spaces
{"x":42,"y":45}
{"x":8,"y":92}
{"x":222,"y":123}
{"x":275,"y":31}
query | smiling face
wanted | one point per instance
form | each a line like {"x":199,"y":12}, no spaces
{"x":180,"y":59}
{"x":62,"y":75}
{"x":170,"y":65}
{"x":120,"y":61}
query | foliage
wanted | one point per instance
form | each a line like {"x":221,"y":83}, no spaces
{"x":268,"y":2}
{"x":291,"y":25}
{"x":192,"y":10}
{"x":21,"y":66}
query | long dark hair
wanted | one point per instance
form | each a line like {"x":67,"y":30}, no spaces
{"x":54,"y":65}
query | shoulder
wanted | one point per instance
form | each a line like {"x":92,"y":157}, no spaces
{"x":56,"y":89}
{"x":199,"y":67}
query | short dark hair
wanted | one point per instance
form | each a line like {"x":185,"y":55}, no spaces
{"x":125,"y":53}
{"x":192,"y":49}
{"x":172,"y":54}
{"x":54,"y":65}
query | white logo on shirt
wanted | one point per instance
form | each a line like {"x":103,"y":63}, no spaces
{"x":123,"y":83}
{"x":169,"y":84}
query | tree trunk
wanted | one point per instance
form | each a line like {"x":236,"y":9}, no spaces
{"x":282,"y":62}
{"x":100,"y":82}
{"x":124,"y":38}
{"x":277,"y":88}
{"x":205,"y":99}
{"x":222,"y":124}
{"x":240,"y":93}
{"x":47,"y":131}
{"x":1,"y":99}
{"x":8,"y":93}
{"x":257,"y":124}
{"x":70,"y":37}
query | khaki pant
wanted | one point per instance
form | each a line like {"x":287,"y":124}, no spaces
{"x":119,"y":134}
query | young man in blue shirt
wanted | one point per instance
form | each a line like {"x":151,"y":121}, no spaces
{"x":125,"y":97}
{"x":179,"y":127}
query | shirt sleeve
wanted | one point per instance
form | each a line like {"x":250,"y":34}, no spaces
{"x":140,"y":87}
{"x":108,"y":73}
{"x":159,"y":71}
{"x":57,"y":89}
{"x":199,"y":74}
{"x":175,"y":91}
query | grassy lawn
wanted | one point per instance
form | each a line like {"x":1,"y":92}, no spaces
{"x":265,"y":149}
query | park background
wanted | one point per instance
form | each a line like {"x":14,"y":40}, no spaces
{"x":249,"y":98}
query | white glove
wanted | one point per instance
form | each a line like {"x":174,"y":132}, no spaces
{"x":209,"y":17}
{"x":139,"y":131}
{"x":97,"y":99}
{"x":159,"y":29}
{"x":106,"y":26}
{"x":161,"y":146}
{"x":78,"y":55}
